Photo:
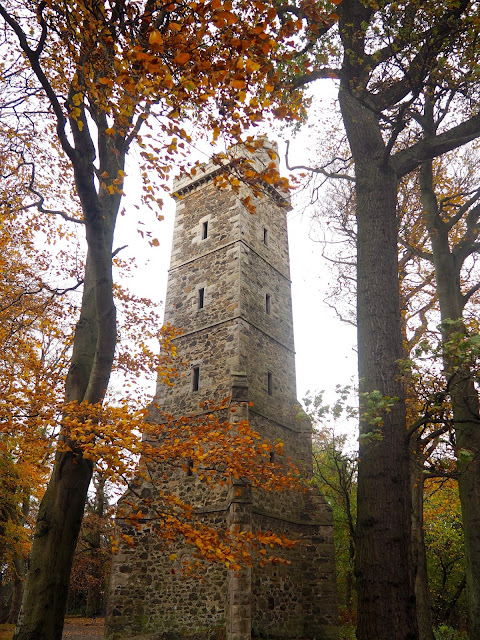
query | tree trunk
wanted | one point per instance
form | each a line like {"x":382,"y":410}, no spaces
{"x":58,"y":523}
{"x":453,"y":602}
{"x":18,"y":584}
{"x":62,"y":507}
{"x":468,"y":440}
{"x":384,"y":578}
{"x":461,"y":386}
{"x":19,"y":566}
{"x":422,"y":590}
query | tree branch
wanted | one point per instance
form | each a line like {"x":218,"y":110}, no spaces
{"x":321,"y":170}
{"x":34,"y":59}
{"x":407,"y":160}
{"x":466,"y":297}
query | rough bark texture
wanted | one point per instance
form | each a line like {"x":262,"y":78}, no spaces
{"x":463,"y":394}
{"x":386,"y":601}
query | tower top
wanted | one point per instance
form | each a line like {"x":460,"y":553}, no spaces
{"x":239,"y":158}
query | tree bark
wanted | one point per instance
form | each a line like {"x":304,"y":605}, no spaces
{"x":62,"y":507}
{"x":384,"y":577}
{"x":17,"y":594}
{"x":58,"y":523}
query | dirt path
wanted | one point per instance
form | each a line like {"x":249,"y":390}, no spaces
{"x":83,"y":629}
{"x":74,"y":629}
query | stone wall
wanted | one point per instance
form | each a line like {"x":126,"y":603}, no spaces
{"x":151,"y":598}
{"x":238,"y":333}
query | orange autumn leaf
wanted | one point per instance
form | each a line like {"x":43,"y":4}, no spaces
{"x":182,"y":57}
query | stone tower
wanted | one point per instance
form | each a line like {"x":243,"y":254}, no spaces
{"x":229,"y":290}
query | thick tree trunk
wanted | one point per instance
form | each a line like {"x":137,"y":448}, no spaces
{"x":18,"y":585}
{"x":463,"y":394}
{"x":384,"y":577}
{"x":62,"y":507}
{"x":468,"y":440}
{"x":58,"y":523}
{"x":61,"y":510}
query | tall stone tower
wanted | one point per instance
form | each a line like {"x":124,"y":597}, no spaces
{"x":229,"y":290}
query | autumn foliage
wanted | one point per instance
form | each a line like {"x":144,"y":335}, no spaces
{"x":85,"y":83}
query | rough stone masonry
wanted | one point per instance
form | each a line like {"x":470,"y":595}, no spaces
{"x":229,"y":290}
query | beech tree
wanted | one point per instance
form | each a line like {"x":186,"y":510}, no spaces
{"x":88,"y":78}
{"x":383,"y":56}
{"x":459,"y":352}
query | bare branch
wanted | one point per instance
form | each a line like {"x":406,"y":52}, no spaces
{"x":466,"y":297}
{"x":321,"y":170}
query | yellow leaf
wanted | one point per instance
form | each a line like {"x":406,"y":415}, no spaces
{"x":238,"y":84}
{"x":155,"y":37}
{"x":77,"y":99}
{"x":230,"y":18}
{"x":80,"y":125}
{"x":252,"y":66}
{"x":182,"y":57}
{"x":109,"y":131}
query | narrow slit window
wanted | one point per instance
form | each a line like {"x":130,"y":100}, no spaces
{"x":205,"y":230}
{"x":201,"y":298}
{"x":269,"y":383}
{"x":195,"y":378}
{"x":272,"y":456}
{"x":189,"y":467}
{"x":267,"y":303}
{"x":265,"y":236}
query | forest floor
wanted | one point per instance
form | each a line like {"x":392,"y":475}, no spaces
{"x":83,"y":629}
{"x":75,"y":629}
